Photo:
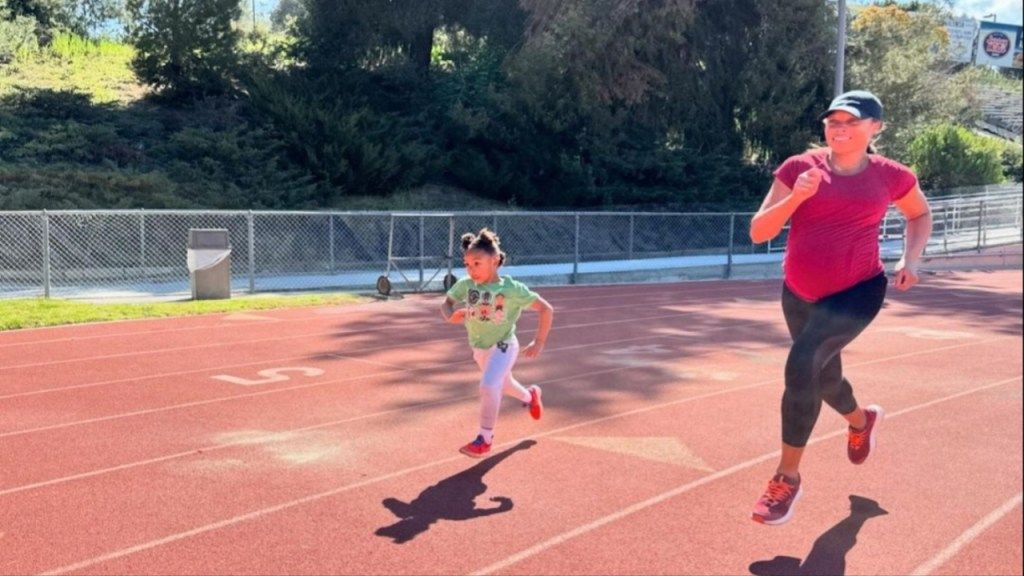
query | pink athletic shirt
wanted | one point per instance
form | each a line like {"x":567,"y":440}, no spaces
{"x":833,"y":236}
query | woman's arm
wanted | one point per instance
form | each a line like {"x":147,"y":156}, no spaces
{"x":780,"y":203}
{"x":547,"y":315}
{"x":915,"y":209}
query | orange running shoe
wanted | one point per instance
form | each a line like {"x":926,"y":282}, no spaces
{"x":860,"y":443}
{"x":776,"y":504}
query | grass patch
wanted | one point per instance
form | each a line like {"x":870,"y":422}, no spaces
{"x":99,"y":68}
{"x":35,"y":313}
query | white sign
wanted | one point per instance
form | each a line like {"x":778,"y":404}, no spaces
{"x":961,"y":38}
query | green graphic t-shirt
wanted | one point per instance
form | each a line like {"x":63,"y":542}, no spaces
{"x":491,"y":309}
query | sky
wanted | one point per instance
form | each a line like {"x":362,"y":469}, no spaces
{"x":1006,"y":11}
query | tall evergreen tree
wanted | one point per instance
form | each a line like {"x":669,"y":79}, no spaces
{"x":186,"y":48}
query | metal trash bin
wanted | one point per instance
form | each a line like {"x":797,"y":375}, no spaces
{"x":209,"y":263}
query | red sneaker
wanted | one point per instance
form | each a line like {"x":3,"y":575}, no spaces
{"x":477,"y":448}
{"x":776,"y":504}
{"x":536,"y":406}
{"x":860,"y":443}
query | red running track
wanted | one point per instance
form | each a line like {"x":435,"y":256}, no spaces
{"x":324,"y":440}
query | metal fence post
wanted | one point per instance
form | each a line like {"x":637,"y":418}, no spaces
{"x":981,"y":217}
{"x":252,"y":253}
{"x":632,"y":230}
{"x":576,"y":251}
{"x":391,"y":243}
{"x":945,"y":229}
{"x":421,"y":252}
{"x":46,"y":254}
{"x":451,"y":243}
{"x":984,"y":225}
{"x":330,"y":220}
{"x":142,"y":239}
{"x":732,"y":233}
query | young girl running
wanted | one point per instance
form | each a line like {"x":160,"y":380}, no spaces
{"x":834,"y":283}
{"x":490,"y":305}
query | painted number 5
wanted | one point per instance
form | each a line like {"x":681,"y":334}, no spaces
{"x":270,"y":375}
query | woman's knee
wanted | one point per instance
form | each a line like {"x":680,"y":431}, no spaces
{"x":801,"y":366}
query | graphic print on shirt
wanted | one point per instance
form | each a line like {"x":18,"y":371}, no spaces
{"x":483,"y":310}
{"x":480,"y":307}
{"x":499,"y":307}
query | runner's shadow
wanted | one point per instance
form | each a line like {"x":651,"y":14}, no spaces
{"x":828,"y":555}
{"x":450,"y":499}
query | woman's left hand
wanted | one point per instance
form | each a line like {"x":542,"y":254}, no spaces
{"x":906,"y":275}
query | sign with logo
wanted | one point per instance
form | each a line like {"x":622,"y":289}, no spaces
{"x":999,"y":45}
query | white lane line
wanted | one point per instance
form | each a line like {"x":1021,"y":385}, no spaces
{"x":389,"y":346}
{"x":360,"y":351}
{"x":303,"y":387}
{"x":385,"y":326}
{"x":566,"y":428}
{"x":643,"y":505}
{"x":967,"y":537}
{"x":354,"y":378}
{"x":245,"y":442}
{"x":321,"y":495}
{"x":316,"y":316}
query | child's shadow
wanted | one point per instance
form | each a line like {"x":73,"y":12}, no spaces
{"x":828,"y":555}
{"x":450,"y":499}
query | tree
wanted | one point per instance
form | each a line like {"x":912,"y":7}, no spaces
{"x":573,"y":102}
{"x":900,"y":56}
{"x":786,"y":77}
{"x":383,"y":35}
{"x":287,"y":11}
{"x":701,"y":78}
{"x":186,"y":48}
{"x":78,"y":16}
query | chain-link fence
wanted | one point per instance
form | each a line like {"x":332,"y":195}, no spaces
{"x":136,"y":253}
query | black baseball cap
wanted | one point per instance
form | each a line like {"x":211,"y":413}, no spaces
{"x":860,"y":103}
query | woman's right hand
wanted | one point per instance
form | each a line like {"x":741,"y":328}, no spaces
{"x":458,"y":316}
{"x":806,"y":184}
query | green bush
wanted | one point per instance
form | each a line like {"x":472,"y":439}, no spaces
{"x":57,"y":149}
{"x":1013,"y":162}
{"x":350,"y":146}
{"x":948,"y":156}
{"x":64,"y":186}
{"x":17,"y":36}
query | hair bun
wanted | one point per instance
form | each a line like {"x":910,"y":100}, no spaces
{"x":485,"y":240}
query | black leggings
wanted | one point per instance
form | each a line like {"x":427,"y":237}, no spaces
{"x":814,"y":370}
